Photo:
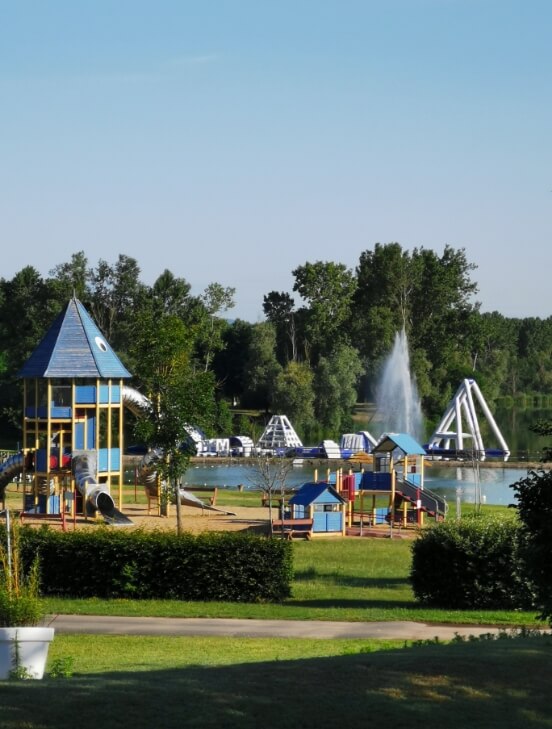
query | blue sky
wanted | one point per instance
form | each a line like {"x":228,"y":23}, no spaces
{"x":235,"y":140}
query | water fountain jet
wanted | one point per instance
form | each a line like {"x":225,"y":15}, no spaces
{"x":399,"y":408}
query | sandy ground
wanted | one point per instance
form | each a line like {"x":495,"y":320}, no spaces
{"x":249,"y":519}
{"x":253,"y":520}
{"x":196,"y":520}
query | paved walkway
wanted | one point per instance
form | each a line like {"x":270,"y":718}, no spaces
{"x":406,"y":630}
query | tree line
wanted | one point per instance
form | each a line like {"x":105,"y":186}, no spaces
{"x":317,"y":353}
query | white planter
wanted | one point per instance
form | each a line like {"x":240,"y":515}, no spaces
{"x":32,"y":647}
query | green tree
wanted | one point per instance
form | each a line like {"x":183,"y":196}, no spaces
{"x":328,"y":289}
{"x":231,"y":361}
{"x":262,"y":368}
{"x":335,"y":387}
{"x":216,"y":300}
{"x":171,"y":295}
{"x":180,"y":396}
{"x":544,"y":427}
{"x":71,"y":279}
{"x":294,"y":394}
{"x":279,"y":310}
{"x":116,"y":293}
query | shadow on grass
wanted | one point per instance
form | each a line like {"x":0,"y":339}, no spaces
{"x":355,"y":604}
{"x":338,"y":578}
{"x":494,"y":684}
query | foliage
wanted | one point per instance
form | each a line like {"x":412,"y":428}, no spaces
{"x":335,"y":386}
{"x":534,"y":506}
{"x":180,"y":396}
{"x":328,"y":288}
{"x":430,"y":293}
{"x":471,"y":563}
{"x":293,"y":394}
{"x":61,"y":667}
{"x":544,"y":427}
{"x":20,"y":603}
{"x":213,"y":566}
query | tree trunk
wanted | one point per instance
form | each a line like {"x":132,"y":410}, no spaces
{"x":178,"y":508}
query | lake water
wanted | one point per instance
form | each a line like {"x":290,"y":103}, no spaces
{"x":489,"y":485}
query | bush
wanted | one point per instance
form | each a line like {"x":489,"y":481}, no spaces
{"x":534,"y":497}
{"x":472,"y":563}
{"x":106,"y":563}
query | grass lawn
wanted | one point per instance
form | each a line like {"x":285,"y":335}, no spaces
{"x":335,"y":579}
{"x":223,"y":682}
{"x":147,"y":682}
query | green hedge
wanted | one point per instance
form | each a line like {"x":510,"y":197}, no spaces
{"x":471,"y":563}
{"x":108,"y":563}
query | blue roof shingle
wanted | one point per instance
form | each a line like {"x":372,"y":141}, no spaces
{"x":74,"y":347}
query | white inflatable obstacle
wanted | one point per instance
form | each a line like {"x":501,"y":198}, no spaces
{"x":459,"y":431}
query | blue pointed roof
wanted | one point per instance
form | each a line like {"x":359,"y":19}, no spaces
{"x":74,"y":347}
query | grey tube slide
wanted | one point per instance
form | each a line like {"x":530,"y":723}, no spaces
{"x":9,"y":469}
{"x":96,"y":494}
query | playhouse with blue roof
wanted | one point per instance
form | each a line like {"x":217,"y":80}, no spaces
{"x":322,"y":503}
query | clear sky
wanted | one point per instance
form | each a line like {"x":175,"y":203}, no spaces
{"x":234,"y":140}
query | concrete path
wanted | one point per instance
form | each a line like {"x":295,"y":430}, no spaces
{"x":406,"y":630}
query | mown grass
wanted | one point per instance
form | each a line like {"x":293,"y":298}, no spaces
{"x":285,"y":684}
{"x":358,"y":579}
{"x":335,"y":579}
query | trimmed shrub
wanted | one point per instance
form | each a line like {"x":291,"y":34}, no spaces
{"x":469,"y":564}
{"x":107,"y":563}
{"x":534,"y":507}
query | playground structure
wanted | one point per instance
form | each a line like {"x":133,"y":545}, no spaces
{"x":449,"y":438}
{"x":73,"y":402}
{"x":393,"y":482}
{"x":72,"y":422}
{"x":398,"y":473}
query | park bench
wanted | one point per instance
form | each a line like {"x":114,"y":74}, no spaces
{"x":277,"y":499}
{"x":291,"y":528}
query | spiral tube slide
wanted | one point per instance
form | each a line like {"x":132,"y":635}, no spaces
{"x":96,"y":494}
{"x":9,"y":469}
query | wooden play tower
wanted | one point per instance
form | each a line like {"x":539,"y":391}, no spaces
{"x":73,"y":406}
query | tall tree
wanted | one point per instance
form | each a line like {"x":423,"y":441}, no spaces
{"x":216,"y":300}
{"x":335,"y":387}
{"x":261,"y":368}
{"x":328,"y":289}
{"x":115,"y":295}
{"x":279,"y":310}
{"x":71,"y":278}
{"x":171,"y":295}
{"x":294,"y":395}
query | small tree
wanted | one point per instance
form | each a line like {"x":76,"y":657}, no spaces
{"x":270,"y":476}
{"x":180,"y":396}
